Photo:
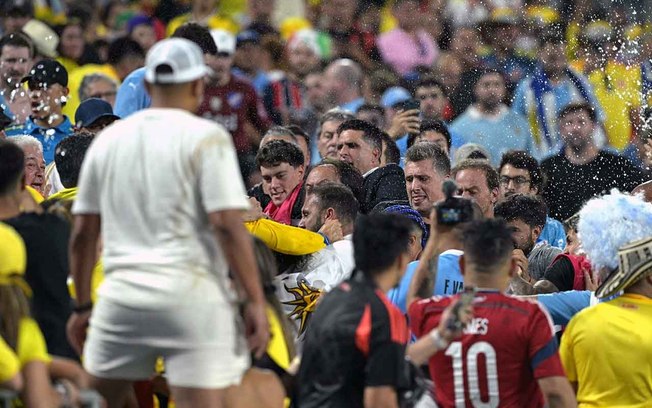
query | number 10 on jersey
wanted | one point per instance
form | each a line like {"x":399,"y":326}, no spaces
{"x":472,"y":381}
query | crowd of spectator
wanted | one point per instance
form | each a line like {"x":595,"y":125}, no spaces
{"x":266,"y":203}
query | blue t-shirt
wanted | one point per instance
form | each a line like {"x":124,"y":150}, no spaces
{"x":553,"y":233}
{"x":507,"y":131}
{"x":132,"y":96}
{"x":449,"y":279}
{"x":49,"y":137}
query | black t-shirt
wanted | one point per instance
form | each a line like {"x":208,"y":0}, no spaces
{"x":356,"y":339}
{"x":569,"y":186}
{"x":561,"y":274}
{"x":46,"y":240}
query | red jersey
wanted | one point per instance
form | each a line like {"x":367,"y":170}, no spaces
{"x":508,"y":345}
{"x":232,"y":106}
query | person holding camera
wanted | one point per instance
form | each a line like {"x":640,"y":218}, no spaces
{"x":507,"y":353}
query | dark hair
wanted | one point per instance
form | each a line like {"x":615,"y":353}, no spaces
{"x":373,"y":108}
{"x":280,"y":131}
{"x":338,"y":197}
{"x":487,"y":244}
{"x":12,"y":166}
{"x":436,"y":126}
{"x":349,"y":176}
{"x":300,"y":133}
{"x":521,"y":159}
{"x":69,"y":155}
{"x":17,"y":40}
{"x":430,"y":151}
{"x":529,"y":209}
{"x":570,"y":223}
{"x":378,"y":240}
{"x":391,"y":152}
{"x":123,"y":47}
{"x":490,"y":173}
{"x":277,"y":152}
{"x":430,"y":81}
{"x":578,"y":107}
{"x":335,"y":114}
{"x":370,"y":133}
{"x":199,"y":35}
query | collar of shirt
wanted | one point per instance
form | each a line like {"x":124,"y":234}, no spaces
{"x":474,"y":113}
{"x":369,"y":172}
{"x":32,"y":128}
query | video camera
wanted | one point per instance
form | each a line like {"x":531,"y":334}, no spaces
{"x":453,"y":210}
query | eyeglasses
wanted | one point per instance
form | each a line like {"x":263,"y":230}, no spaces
{"x":518,"y":180}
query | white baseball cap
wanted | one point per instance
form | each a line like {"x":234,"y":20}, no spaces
{"x":224,"y":40}
{"x":174,"y":61}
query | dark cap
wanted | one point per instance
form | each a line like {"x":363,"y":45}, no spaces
{"x":48,"y":72}
{"x":91,"y":110}
{"x":247,"y":37}
{"x":18,"y":8}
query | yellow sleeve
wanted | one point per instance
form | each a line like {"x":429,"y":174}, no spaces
{"x":9,"y":363}
{"x":176,"y":23}
{"x":566,"y":352}
{"x":31,"y":344}
{"x":97,"y":277}
{"x":35,"y":194}
{"x":286,"y":239}
{"x":277,"y":348}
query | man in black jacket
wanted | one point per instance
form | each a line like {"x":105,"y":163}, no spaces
{"x":360,"y":144}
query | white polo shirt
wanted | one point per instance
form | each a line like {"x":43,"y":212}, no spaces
{"x":153,"y":178}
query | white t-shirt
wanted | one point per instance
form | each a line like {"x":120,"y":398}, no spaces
{"x":299,"y":289}
{"x":344,"y":249}
{"x":153,"y":178}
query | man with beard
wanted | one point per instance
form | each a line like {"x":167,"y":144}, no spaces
{"x":489,"y":122}
{"x":520,"y":173}
{"x":581,"y":170}
{"x":16,"y":53}
{"x":526,"y":216}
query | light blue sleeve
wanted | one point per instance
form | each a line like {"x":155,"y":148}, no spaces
{"x":553,"y":233}
{"x":562,"y":306}
{"x":398,"y":295}
{"x":132,"y":96}
{"x":518,"y":103}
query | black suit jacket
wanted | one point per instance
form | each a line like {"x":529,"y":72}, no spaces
{"x":384,"y":184}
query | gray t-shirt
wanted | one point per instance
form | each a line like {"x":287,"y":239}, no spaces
{"x":540,"y":259}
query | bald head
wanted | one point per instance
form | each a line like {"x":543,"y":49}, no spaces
{"x":343,"y":80}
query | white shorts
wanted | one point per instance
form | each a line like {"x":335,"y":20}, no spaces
{"x":202,"y":344}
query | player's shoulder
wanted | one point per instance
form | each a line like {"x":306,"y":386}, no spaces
{"x":433,"y":304}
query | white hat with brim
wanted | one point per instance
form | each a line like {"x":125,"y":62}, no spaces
{"x":634,"y":263}
{"x":44,"y":38}
{"x":174,"y":61}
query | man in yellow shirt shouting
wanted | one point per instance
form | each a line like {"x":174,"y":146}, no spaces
{"x":607,"y":349}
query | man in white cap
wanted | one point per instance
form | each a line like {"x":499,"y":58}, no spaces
{"x":163,"y":188}
{"x":606,"y":350}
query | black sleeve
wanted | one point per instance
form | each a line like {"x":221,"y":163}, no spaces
{"x":391,"y":187}
{"x":561,"y":274}
{"x":386,"y":359}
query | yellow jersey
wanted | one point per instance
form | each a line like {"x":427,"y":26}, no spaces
{"x":75,"y":79}
{"x":9,"y":363}
{"x":617,"y":88}
{"x":607,"y":350}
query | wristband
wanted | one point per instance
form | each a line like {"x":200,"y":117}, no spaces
{"x":83,"y":307}
{"x":439,"y":342}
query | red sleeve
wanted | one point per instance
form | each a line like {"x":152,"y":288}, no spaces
{"x":543,"y":350}
{"x":256,"y":112}
{"x":424,"y":314}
